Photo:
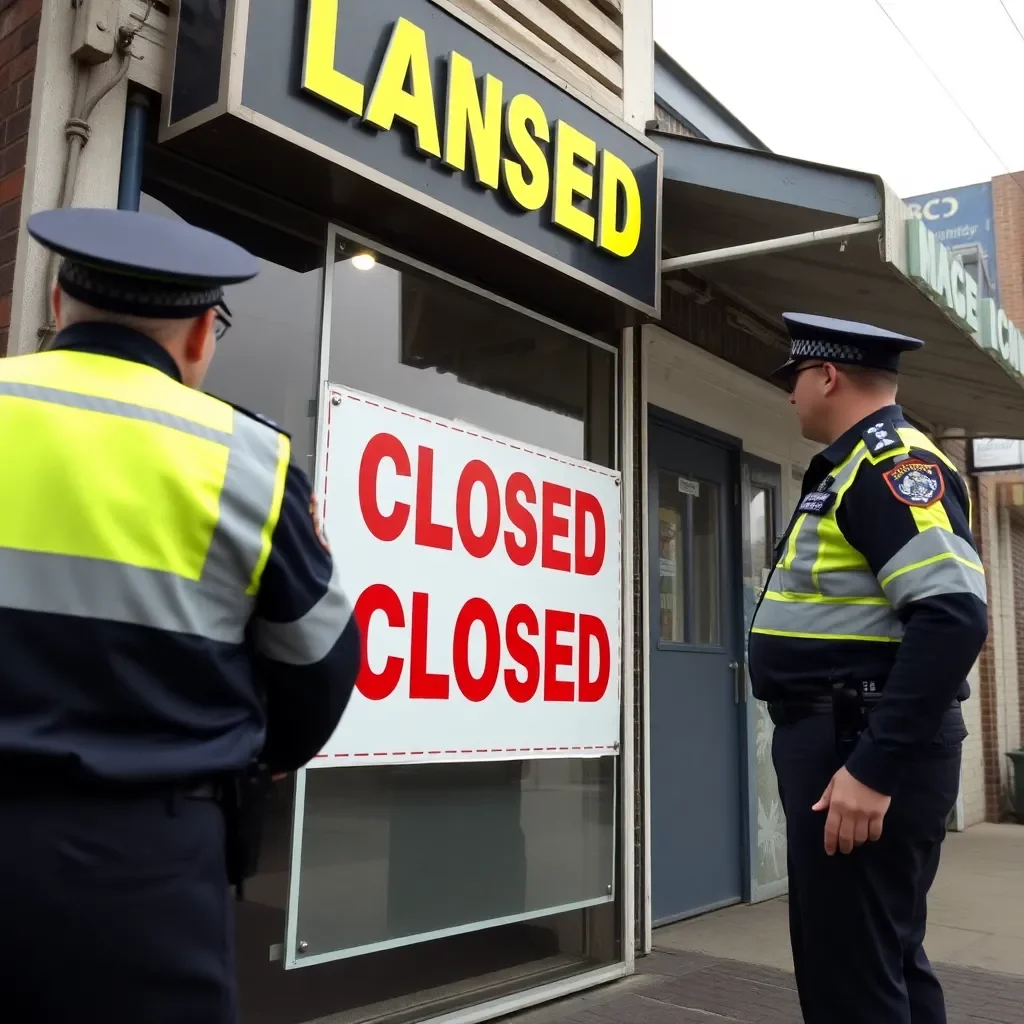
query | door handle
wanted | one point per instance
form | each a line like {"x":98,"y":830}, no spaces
{"x":738,"y":682}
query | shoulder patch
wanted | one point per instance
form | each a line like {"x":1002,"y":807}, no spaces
{"x":916,"y":482}
{"x":817,"y":503}
{"x":881,"y":438}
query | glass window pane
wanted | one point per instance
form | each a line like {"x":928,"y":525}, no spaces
{"x":672,"y":568}
{"x":706,"y":570}
{"x":762,"y":535}
{"x":391,"y":854}
{"x":409,"y":336}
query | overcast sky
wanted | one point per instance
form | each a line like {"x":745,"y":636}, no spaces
{"x":835,"y":82}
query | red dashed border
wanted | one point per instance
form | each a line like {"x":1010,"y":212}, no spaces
{"x":480,"y":750}
{"x":515,"y":447}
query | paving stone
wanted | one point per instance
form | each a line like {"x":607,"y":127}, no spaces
{"x":689,"y":988}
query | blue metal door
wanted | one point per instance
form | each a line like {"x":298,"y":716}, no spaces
{"x":696,"y":685}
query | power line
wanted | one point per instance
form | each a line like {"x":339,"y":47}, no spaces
{"x":1002,"y":3}
{"x":942,"y":85}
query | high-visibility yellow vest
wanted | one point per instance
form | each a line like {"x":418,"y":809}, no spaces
{"x":822,"y":587}
{"x":129,"y":497}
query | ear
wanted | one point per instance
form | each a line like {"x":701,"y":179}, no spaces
{"x":200,"y":335}
{"x":831,"y":377}
{"x":56,"y":298}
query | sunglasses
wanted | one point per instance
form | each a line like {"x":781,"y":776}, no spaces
{"x":222,"y":322}
{"x":791,"y":381}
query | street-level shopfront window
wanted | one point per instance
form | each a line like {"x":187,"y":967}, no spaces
{"x":416,"y":889}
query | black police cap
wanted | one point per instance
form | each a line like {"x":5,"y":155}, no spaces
{"x":141,"y":264}
{"x":843,"y":341}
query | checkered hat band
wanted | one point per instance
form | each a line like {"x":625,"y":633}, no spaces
{"x":121,"y":294}
{"x":814,"y":348}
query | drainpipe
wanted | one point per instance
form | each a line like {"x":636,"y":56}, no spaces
{"x":136,"y":115}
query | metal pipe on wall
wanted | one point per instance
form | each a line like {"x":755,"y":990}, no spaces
{"x":136,"y":116}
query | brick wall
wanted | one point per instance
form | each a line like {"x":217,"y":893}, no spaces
{"x":670,"y":123}
{"x":1008,"y":220}
{"x":1017,"y":560}
{"x":974,"y":771}
{"x":19,"y":35}
{"x":987,"y":534}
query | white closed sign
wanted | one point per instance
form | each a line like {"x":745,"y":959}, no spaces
{"x":485,"y":575}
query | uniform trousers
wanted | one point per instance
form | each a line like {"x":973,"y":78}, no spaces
{"x":857,"y":920}
{"x":114,"y":910}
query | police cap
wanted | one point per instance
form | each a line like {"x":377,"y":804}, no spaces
{"x":842,"y":341}
{"x":140,"y":264}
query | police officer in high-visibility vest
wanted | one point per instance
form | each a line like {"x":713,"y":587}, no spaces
{"x":170,"y":617}
{"x":871,"y":620}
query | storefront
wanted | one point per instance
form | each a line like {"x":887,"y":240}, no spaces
{"x":747,"y":236}
{"x":537,"y":410}
{"x":453,"y":245}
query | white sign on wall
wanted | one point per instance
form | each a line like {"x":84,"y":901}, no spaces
{"x":998,"y":453}
{"x":485,"y":575}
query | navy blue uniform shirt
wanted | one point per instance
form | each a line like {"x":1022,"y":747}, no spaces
{"x":943,"y":633}
{"x":127,"y":703}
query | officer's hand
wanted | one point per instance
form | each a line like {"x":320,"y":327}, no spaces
{"x":855,"y":813}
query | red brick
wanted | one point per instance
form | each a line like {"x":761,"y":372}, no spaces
{"x":18,"y":14}
{"x":17,"y":125}
{"x":24,"y":88}
{"x":11,"y":185}
{"x":30,"y":33}
{"x":12,"y":157}
{"x":7,"y":279}
{"x":22,"y":65}
{"x":10,"y":216}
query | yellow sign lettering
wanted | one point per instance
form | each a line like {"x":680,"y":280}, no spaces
{"x":318,"y":72}
{"x":618,"y":180}
{"x":527,"y":179}
{"x":406,"y":58}
{"x":593,"y":193}
{"x":571,"y":180}
{"x":466,"y":115}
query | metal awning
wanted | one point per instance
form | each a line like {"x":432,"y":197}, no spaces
{"x":779,"y":234}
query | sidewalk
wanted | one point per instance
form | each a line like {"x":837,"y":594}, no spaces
{"x":734,"y":965}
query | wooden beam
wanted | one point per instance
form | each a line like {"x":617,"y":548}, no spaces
{"x":513,"y":31}
{"x":572,"y":45}
{"x":589,"y":20}
{"x":151,"y":46}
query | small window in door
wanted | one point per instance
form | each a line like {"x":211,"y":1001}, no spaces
{"x":689,"y":560}
{"x":762,"y":536}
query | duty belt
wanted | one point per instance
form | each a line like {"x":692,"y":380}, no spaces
{"x":795,"y":709}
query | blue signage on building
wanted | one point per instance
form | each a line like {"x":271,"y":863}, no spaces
{"x":961,"y":218}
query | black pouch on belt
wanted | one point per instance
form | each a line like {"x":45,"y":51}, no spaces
{"x":243,"y":800}
{"x":847,"y":717}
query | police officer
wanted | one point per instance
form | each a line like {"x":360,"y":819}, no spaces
{"x":169,"y":612}
{"x":872,"y":618}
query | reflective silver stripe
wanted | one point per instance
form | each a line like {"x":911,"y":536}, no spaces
{"x":843,"y":583}
{"x":246,"y":502}
{"x":94,"y":589}
{"x":799,"y":577}
{"x":828,"y":620}
{"x":215,"y":607}
{"x":309,"y":639}
{"x":849,"y":583}
{"x":113,"y":407}
{"x":932,"y":563}
{"x":927,"y":544}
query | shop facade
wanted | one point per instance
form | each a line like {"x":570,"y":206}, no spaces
{"x":518,"y":310}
